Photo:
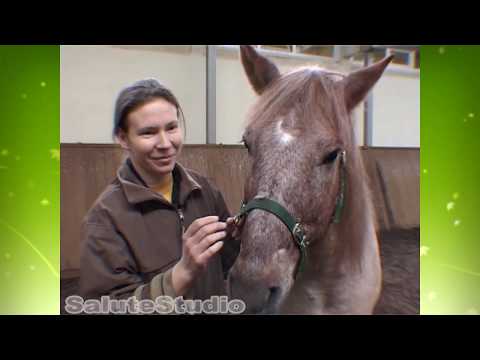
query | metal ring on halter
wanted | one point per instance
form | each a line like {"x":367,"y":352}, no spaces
{"x":299,"y":235}
{"x":237,"y":219}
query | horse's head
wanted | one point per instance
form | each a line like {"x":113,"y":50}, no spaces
{"x":295,"y":135}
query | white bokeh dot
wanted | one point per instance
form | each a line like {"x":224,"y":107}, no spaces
{"x":424,"y":250}
{"x":450,"y":206}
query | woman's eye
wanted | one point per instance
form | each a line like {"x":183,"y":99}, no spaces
{"x":331,"y":157}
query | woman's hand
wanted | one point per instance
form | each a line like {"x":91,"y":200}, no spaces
{"x":201,"y":242}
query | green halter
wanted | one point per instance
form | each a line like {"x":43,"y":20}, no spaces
{"x":294,"y":226}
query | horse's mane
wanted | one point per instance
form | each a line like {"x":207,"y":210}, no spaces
{"x":315,"y":95}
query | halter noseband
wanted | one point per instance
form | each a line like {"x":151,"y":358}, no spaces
{"x":295,"y":227}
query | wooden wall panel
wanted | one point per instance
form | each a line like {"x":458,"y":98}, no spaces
{"x":382,"y":211}
{"x":398,"y":174}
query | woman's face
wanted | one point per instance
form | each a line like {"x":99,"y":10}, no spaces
{"x":154,"y":139}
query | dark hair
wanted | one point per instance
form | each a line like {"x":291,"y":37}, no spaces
{"x":138,"y":94}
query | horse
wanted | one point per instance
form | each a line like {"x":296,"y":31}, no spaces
{"x":308,"y":228}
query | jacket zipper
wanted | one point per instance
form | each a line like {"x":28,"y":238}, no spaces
{"x":182,"y":218}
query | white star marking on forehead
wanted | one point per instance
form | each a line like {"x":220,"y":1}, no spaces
{"x":285,"y":137}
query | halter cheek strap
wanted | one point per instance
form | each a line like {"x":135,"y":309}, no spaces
{"x":340,"y":204}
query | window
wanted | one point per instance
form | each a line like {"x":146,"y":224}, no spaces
{"x":315,"y":50}
{"x":376,"y":54}
{"x":404,"y":57}
{"x":286,"y":48}
{"x":318,"y":50}
{"x":409,"y":56}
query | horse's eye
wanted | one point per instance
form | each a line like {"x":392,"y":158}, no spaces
{"x":331,"y":157}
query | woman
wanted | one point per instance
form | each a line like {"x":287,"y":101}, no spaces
{"x":159,"y":229}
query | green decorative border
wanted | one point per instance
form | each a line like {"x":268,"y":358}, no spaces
{"x":30,"y":179}
{"x":450,"y":179}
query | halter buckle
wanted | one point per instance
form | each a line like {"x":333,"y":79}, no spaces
{"x":299,"y":235}
{"x":238,"y":219}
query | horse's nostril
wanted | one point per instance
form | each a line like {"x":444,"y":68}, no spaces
{"x":273,"y":295}
{"x":274,"y":290}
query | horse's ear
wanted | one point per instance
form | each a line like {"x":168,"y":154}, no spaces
{"x":358,"y":84}
{"x":260,"y":71}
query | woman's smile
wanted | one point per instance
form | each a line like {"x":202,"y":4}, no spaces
{"x":164,"y":160}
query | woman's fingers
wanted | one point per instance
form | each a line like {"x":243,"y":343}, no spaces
{"x":199,"y":224}
{"x":207,"y":230}
{"x":208,"y":241}
{"x":202,"y":241}
{"x":212,"y":250}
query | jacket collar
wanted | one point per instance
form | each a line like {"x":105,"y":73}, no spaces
{"x":136,"y":190}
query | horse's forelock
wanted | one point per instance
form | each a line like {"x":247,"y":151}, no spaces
{"x":309,"y":91}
